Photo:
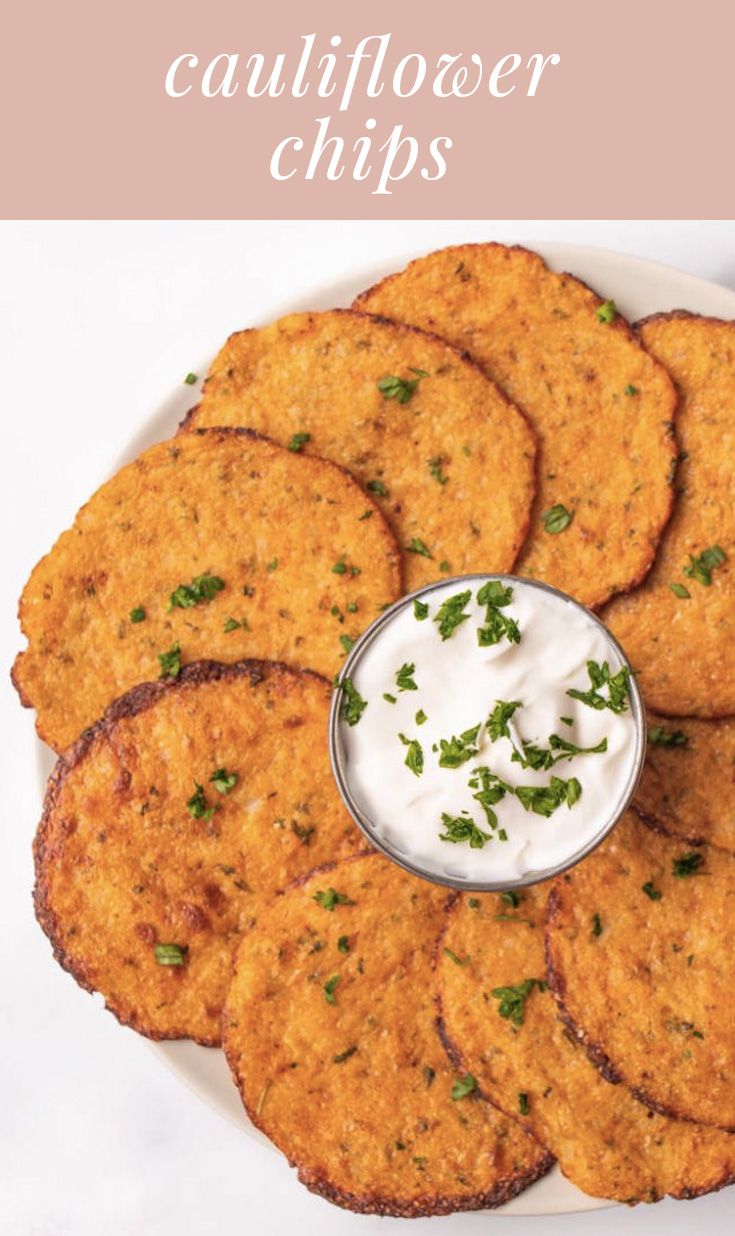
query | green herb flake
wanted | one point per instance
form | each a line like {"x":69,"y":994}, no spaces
{"x":420,"y":717}
{"x":456,"y":751}
{"x":436,"y":469}
{"x":377,"y":487}
{"x":557,"y":518}
{"x":170,"y":662}
{"x":299,"y":441}
{"x":272,"y":565}
{"x":190,"y":379}
{"x":417,"y":546}
{"x":680,"y":591}
{"x":544,"y":800}
{"x":391,"y":699}
{"x":170,"y":954}
{"x":649,"y":888}
{"x":223,"y":781}
{"x":404,"y":677}
{"x":137,"y":614}
{"x":631,"y":390}
{"x":353,"y":705}
{"x":347,"y":642}
{"x":343,"y":1055}
{"x":660,"y":736}
{"x":444,"y":566}
{"x":600,"y":676}
{"x":490,"y":790}
{"x":474,"y":903}
{"x":463,"y":1087}
{"x":495,"y":596}
{"x":607,"y":312}
{"x":460,"y":828}
{"x":458,"y":961}
{"x":329,"y":989}
{"x":401,"y":389}
{"x":450,"y":613}
{"x":513,"y":999}
{"x":236,"y":624}
{"x":701,"y":567}
{"x":414,"y":755}
{"x":523,"y":1104}
{"x":329,"y":898}
{"x":596,"y":929}
{"x":197,"y":806}
{"x":203,"y":588}
{"x":343,"y":944}
{"x":497,"y":724}
{"x":420,"y":610}
{"x":511,"y":898}
{"x":687,"y":865}
{"x":366,"y":515}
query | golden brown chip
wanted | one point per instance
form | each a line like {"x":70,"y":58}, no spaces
{"x":679,"y":628}
{"x":527,"y":1063}
{"x":450,"y":461}
{"x":687,"y":788}
{"x":168,"y":821}
{"x":657,"y":1010}
{"x":220,"y":545}
{"x":602,"y":407}
{"x":329,"y":1029}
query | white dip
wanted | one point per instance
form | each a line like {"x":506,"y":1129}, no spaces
{"x":421,"y":799}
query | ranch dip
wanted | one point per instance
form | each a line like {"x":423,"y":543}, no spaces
{"x":487,"y":732}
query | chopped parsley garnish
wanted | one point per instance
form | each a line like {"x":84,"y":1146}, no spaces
{"x":420,"y":717}
{"x":353,"y":705}
{"x":688,"y":865}
{"x":329,"y":898}
{"x":538,"y":758}
{"x":523,"y":1105}
{"x":497,"y":724}
{"x":607,"y":312}
{"x":545,"y":799}
{"x":414,"y":756}
{"x":351,"y":607}
{"x":653,"y":893}
{"x":170,"y":662}
{"x":298,"y":441}
{"x":329,"y":989}
{"x":463,"y":828}
{"x":463,"y":1086}
{"x":137,"y":614}
{"x":513,"y":999}
{"x":659,"y":736}
{"x":223,"y":781}
{"x":347,"y":642}
{"x":234,"y":624}
{"x":366,"y":515}
{"x":420,"y":610}
{"x":680,"y":591}
{"x":401,"y":389}
{"x":170,"y":954}
{"x":456,"y":751}
{"x":190,"y":379}
{"x":404,"y":677}
{"x":495,"y":596}
{"x":567,"y":720}
{"x":511,"y":898}
{"x":458,"y":961}
{"x":343,"y":944}
{"x":557,"y":518}
{"x":474,"y":903}
{"x":596,"y":929}
{"x":349,"y":1051}
{"x":202,"y":588}
{"x":450,"y":613}
{"x":490,"y":790}
{"x":435,"y":468}
{"x":444,"y":566}
{"x":390,"y":698}
{"x":631,"y":389}
{"x":417,"y":546}
{"x":197,"y":806}
{"x":617,"y":685}
{"x":377,"y":487}
{"x":701,"y":568}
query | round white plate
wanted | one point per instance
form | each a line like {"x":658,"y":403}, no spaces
{"x":638,"y":288}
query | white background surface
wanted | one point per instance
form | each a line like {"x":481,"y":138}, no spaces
{"x":97,"y":322}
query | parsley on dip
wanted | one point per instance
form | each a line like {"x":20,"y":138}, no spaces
{"x":486,"y":732}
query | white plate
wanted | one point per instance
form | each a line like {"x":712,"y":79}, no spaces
{"x":638,"y":288}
